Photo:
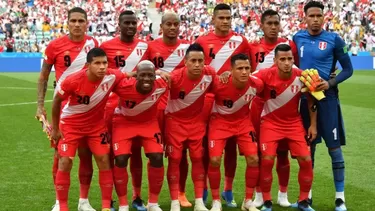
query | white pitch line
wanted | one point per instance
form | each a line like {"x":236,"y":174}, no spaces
{"x":26,"y":88}
{"x":25,"y":103}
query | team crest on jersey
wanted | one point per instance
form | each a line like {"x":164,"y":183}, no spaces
{"x":154,"y":97}
{"x":322,"y":45}
{"x":295,"y":88}
{"x":139,"y":52}
{"x":169,"y":149}
{"x":87,"y":49}
{"x":115,"y":146}
{"x":64,"y":147}
{"x":203,"y":86}
{"x":212,"y":143}
{"x":180,"y":52}
{"x":248,"y":97}
{"x":232,"y":45}
{"x":105,"y":87}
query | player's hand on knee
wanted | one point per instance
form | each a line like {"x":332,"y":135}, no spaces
{"x":312,"y":133}
{"x":224,"y":77}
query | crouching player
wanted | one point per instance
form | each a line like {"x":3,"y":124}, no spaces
{"x":230,"y":120}
{"x":135,"y":120}
{"x":281,"y":121}
{"x":82,"y":119}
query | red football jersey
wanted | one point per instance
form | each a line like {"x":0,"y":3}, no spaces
{"x":281,"y":98}
{"x":186,"y":97}
{"x":125,"y":56}
{"x":218,"y":50}
{"x":136,"y":107}
{"x":68,"y":57}
{"x":167,"y":57}
{"x":263,"y":53}
{"x":232,"y":104}
{"x":86,"y":99}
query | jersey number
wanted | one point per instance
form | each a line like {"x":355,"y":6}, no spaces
{"x":158,"y":138}
{"x":120,"y":61}
{"x":334,"y":131}
{"x":67,"y":61}
{"x":158,"y":62}
{"x":260,"y":57}
{"x":212,"y":55}
{"x":83,"y":99}
{"x":130,"y":104}
{"x":273,"y":94}
{"x":105,"y":138}
{"x":301,"y":49}
{"x":181,"y":95}
{"x":228,"y":103}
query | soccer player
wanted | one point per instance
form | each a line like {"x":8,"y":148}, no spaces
{"x":125,"y":52}
{"x":185,"y":123}
{"x":168,"y":53}
{"x":321,"y":50}
{"x":262,"y":55}
{"x":282,"y":121}
{"x":230,"y":121}
{"x":135,"y":121}
{"x":68,"y":55}
{"x":219,"y":46}
{"x":82,"y":119}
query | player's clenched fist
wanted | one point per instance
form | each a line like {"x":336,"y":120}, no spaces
{"x":56,"y":135}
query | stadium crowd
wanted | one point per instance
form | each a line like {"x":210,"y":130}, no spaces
{"x":26,"y":27}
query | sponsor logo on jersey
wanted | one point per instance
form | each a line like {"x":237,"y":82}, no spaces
{"x":295,"y":88}
{"x":322,"y":45}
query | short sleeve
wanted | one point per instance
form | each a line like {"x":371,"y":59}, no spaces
{"x":257,"y":83}
{"x":49,"y":56}
{"x":66,"y":89}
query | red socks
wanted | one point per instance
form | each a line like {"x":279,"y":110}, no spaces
{"x":206,"y":161}
{"x":85,"y":175}
{"x":120,"y":176}
{"x":230,"y":164}
{"x":136,"y":171}
{"x":266,"y":178}
{"x":198,"y":177}
{"x":173,"y":176}
{"x":305,"y":178}
{"x":106,"y":186}
{"x":55,"y":166}
{"x":184,"y":169}
{"x":251,"y":178}
{"x":155,"y":182}
{"x":283,"y":171}
{"x":62,"y":184}
{"x":215,"y":177}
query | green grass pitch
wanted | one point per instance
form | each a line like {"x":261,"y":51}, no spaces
{"x":26,"y":159}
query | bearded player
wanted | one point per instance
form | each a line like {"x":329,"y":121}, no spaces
{"x":219,"y":46}
{"x":262,"y":54}
{"x":124,"y":53}
{"x":68,"y":56}
{"x":168,"y":53}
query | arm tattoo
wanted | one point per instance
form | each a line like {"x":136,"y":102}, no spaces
{"x":43,"y":83}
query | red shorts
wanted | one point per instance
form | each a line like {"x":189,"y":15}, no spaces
{"x":246,"y":144}
{"x":256,"y":108}
{"x":181,"y":130}
{"x":109,"y":111}
{"x":294,"y":139}
{"x":96,"y":139}
{"x":126,"y":134}
{"x":160,"y":116}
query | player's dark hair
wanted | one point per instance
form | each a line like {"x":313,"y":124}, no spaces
{"x":194,"y":47}
{"x":222,"y":7}
{"x":126,"y":12}
{"x":268,"y":13}
{"x":312,"y":4}
{"x":78,"y":10}
{"x":164,"y":17}
{"x":95,"y":52}
{"x":237,"y":57}
{"x":283,"y":48}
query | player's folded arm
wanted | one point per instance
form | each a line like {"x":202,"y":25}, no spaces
{"x":341,"y":53}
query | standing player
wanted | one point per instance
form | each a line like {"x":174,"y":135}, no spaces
{"x":82,"y":119}
{"x":124,"y":53}
{"x":281,"y":121}
{"x":168,"y":53}
{"x":135,"y":120}
{"x":230,"y":121}
{"x":218,"y":47}
{"x":321,"y":50}
{"x":68,"y":55}
{"x":185,"y":123}
{"x":262,"y":55}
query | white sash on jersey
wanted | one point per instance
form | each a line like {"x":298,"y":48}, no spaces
{"x":143,"y":106}
{"x":95,"y":99}
{"x":179,"y":104}
{"x":77,"y":65}
{"x":135,"y":57}
{"x":243,"y":100}
{"x":226,"y":52}
{"x":175,"y":58}
{"x":288,"y":94}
